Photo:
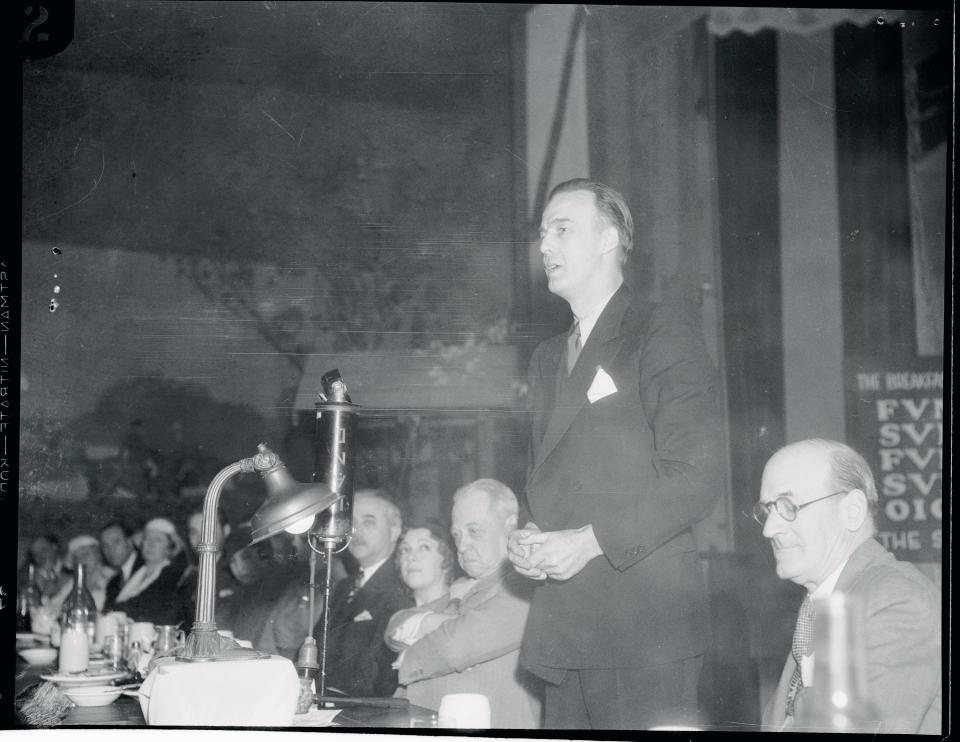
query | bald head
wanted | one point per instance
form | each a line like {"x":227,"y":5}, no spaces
{"x":827,"y":494}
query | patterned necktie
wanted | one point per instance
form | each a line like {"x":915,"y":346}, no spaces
{"x":573,"y":347}
{"x":355,"y":587}
{"x":802,"y":646}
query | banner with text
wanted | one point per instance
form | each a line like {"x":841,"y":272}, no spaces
{"x":896,"y":422}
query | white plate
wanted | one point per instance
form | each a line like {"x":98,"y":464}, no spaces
{"x":81,"y":679}
{"x":98,"y":696}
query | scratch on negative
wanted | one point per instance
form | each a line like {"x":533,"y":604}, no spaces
{"x":279,"y":124}
{"x":96,"y":184}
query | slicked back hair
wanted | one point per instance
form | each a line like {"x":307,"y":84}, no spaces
{"x":610,"y":204}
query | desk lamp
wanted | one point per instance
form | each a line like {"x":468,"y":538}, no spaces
{"x":290,"y":506}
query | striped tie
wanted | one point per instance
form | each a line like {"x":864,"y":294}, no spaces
{"x":802,"y":646}
{"x":574,"y":347}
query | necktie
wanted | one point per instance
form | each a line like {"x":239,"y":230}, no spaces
{"x":801,"y":647}
{"x":573,"y":347}
{"x":357,"y":583}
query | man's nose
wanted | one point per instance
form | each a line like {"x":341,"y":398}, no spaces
{"x":773,"y":524}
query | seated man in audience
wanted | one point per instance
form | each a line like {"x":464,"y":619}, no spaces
{"x":817,"y":504}
{"x":359,"y":663}
{"x":469,"y":640}
{"x":261,"y":581}
{"x":116,"y":544}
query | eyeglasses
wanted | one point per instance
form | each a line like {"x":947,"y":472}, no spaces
{"x":785,"y":507}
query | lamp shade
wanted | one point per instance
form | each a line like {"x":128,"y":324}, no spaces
{"x":288,"y":502}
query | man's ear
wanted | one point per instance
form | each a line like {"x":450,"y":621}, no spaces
{"x":609,"y":239}
{"x":395,"y":532}
{"x":226,"y":531}
{"x":511,"y":522}
{"x":854,"y":510}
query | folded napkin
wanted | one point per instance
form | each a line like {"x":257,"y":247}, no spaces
{"x":243,"y":693}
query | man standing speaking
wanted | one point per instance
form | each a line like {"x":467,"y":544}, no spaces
{"x":625,"y":459}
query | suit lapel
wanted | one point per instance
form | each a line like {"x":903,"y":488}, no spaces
{"x":601,"y":348}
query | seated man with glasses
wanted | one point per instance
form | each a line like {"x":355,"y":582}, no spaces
{"x":817,"y":505}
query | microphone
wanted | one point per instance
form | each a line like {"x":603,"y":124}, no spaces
{"x":333,"y":465}
{"x":335,"y":461}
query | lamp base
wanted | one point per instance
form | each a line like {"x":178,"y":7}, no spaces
{"x":208,"y":645}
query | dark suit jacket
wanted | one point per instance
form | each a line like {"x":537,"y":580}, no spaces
{"x":164,"y":601}
{"x":642,"y":465}
{"x":359,"y":663}
{"x":901,"y":636}
{"x":116,"y":584}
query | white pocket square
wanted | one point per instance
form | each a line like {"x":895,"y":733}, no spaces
{"x":601,"y":387}
{"x":364,"y":616}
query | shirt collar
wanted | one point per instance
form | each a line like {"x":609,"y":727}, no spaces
{"x":368,"y":571}
{"x":588,"y":322}
{"x":826,"y":587}
{"x":127,"y":566}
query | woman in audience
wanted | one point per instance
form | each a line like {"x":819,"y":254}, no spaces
{"x":151,"y":593}
{"x":426,"y":562}
{"x":85,"y":550}
{"x":49,"y":574}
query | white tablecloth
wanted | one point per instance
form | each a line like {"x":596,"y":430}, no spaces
{"x":246,"y":693}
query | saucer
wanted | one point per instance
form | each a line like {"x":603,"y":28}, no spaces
{"x":80,"y":679}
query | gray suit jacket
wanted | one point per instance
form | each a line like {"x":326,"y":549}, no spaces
{"x":476,"y":651}
{"x":901,"y":610}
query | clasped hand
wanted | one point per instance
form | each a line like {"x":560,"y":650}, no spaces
{"x":556,"y":554}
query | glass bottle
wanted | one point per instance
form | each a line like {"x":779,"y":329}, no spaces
{"x":839,"y":700}
{"x":79,"y":609}
{"x":27,"y":599}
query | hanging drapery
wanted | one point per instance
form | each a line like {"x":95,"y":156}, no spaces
{"x":560,"y":112}
{"x":723,"y":21}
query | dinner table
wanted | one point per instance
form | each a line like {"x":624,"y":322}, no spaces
{"x":386,"y":713}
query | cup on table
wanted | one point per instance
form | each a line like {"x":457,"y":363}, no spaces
{"x":42,"y":619}
{"x":464,"y":711}
{"x":428,"y":721}
{"x":74,"y":650}
{"x":113,"y":651}
{"x":169,"y":637}
{"x":106,"y":626}
{"x":142,"y":632}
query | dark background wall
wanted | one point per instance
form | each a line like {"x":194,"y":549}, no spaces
{"x":232,"y":186}
{"x":299,"y":134}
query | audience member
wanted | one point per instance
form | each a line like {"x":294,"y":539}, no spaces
{"x":85,"y":550}
{"x":817,"y":505}
{"x":116,"y":543}
{"x":468,"y":641}
{"x":426,"y":561}
{"x":359,"y":663}
{"x":48,"y":572}
{"x":151,"y":593}
{"x":260,"y":582}
{"x":288,"y":622}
